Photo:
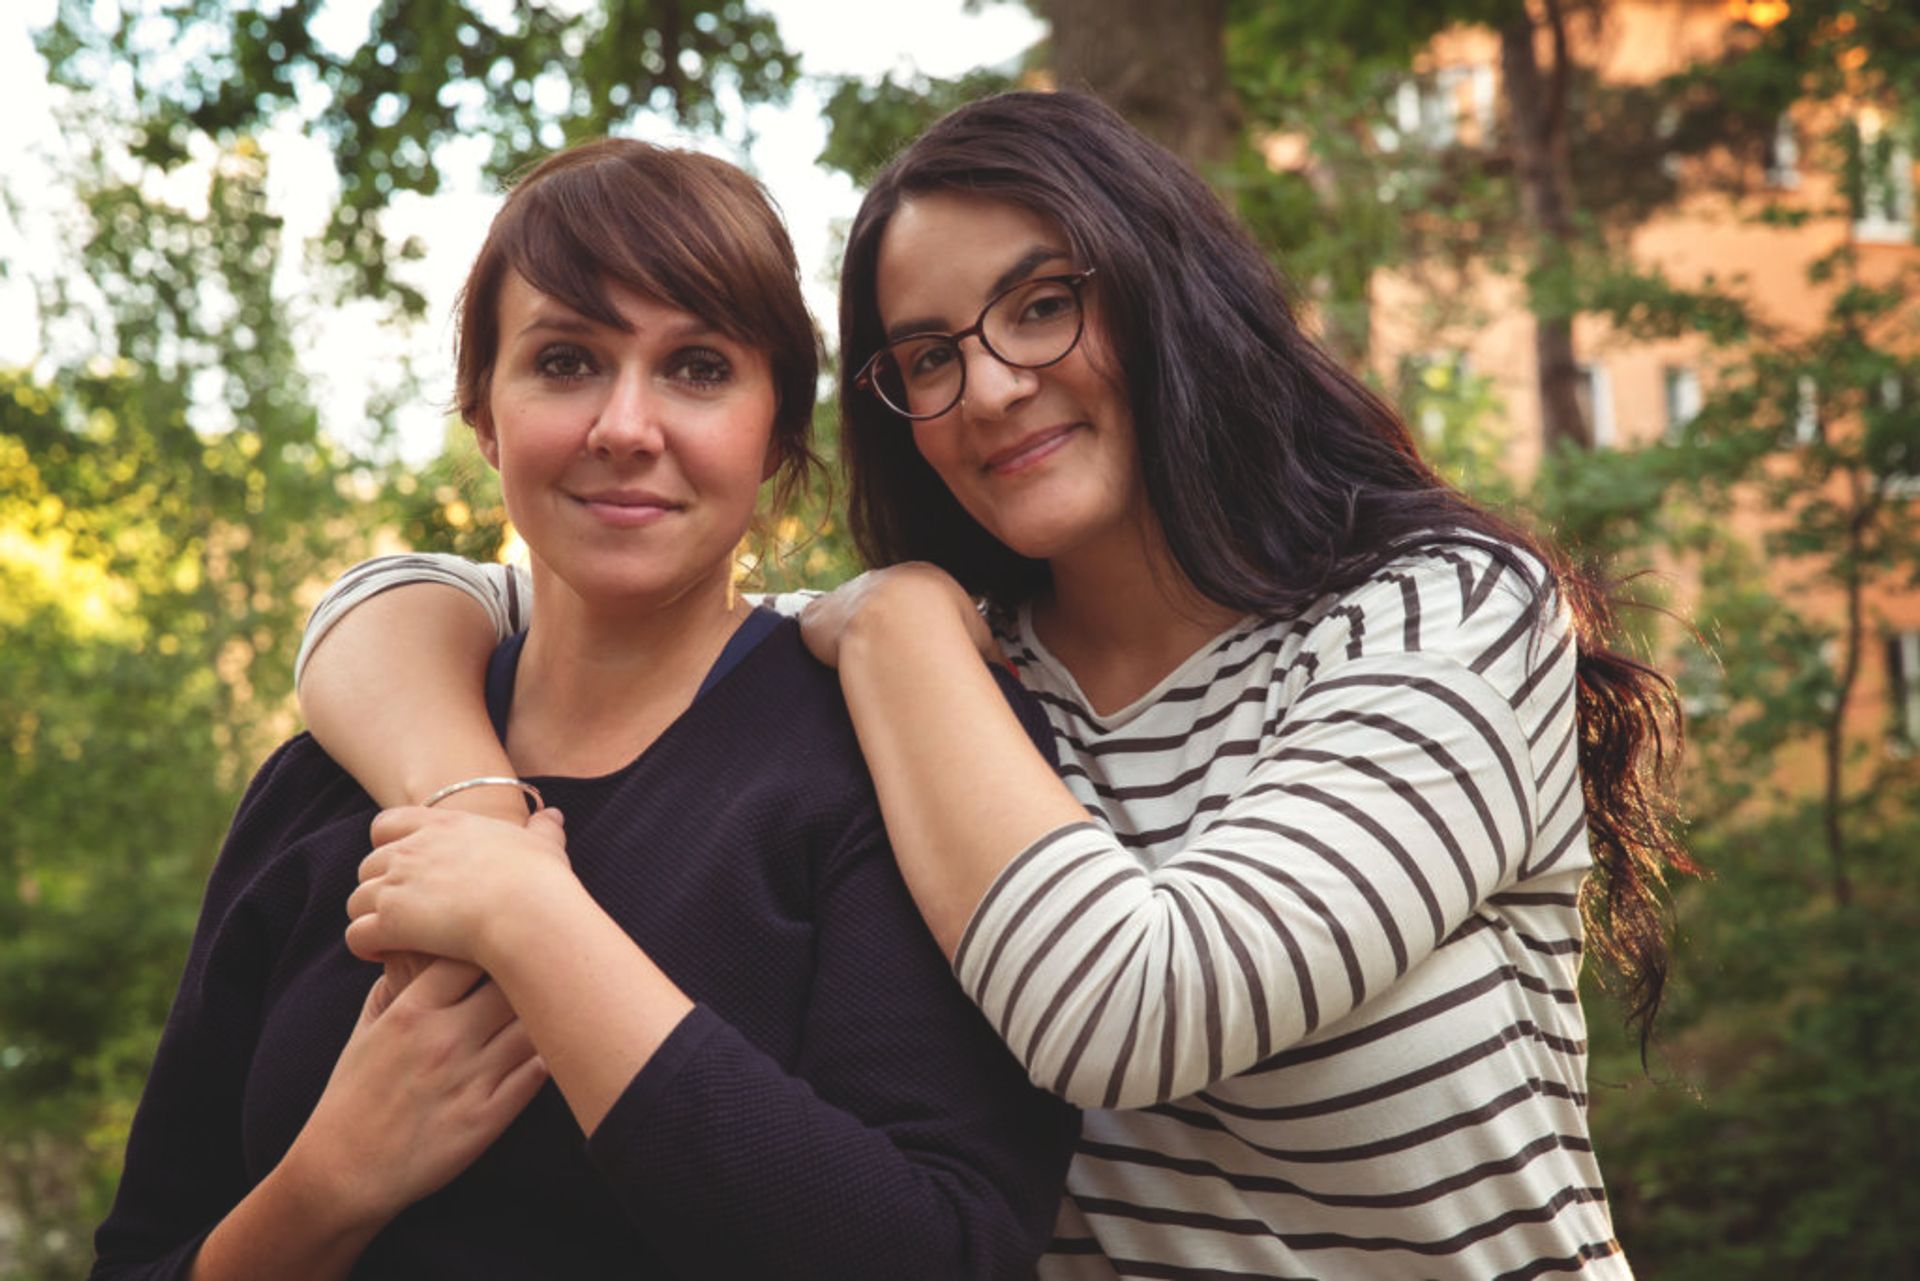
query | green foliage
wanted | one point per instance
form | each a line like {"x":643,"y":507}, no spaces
{"x":1783,"y":1148}
{"x":1786,"y":1147}
{"x":808,"y":545}
{"x":527,"y":79}
{"x":452,"y":504}
{"x":1355,"y":191}
{"x":868,"y":123}
{"x":155,"y":530}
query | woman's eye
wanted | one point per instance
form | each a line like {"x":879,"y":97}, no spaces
{"x":703,"y":367}
{"x":1048,"y":304}
{"x":563,"y":362}
{"x":929,"y":360}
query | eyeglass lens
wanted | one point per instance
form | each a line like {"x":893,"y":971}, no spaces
{"x":1031,"y":325}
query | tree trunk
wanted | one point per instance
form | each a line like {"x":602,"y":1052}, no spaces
{"x":1537,"y":116}
{"x":1852,"y":640}
{"x":1160,"y":63}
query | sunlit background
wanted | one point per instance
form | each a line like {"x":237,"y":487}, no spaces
{"x":1639,"y":271}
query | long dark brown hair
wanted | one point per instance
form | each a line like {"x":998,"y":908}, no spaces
{"x":1277,"y":476}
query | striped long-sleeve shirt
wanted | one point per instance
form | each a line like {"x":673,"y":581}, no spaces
{"x":1311,"y":963}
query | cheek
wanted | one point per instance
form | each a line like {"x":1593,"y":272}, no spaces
{"x":936,"y":439}
{"x":738,"y":452}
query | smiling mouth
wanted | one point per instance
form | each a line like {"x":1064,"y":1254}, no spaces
{"x":626,"y":510}
{"x":1030,"y":452}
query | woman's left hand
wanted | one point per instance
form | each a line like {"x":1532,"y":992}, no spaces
{"x":436,"y":879}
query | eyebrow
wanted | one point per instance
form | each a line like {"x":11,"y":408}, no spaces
{"x":1013,"y":275}
{"x":572,"y":322}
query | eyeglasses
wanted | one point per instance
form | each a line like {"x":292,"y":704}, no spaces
{"x":1029,"y":326}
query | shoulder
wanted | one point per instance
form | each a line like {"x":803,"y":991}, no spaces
{"x":504,"y":592}
{"x":783,"y":708}
{"x":298,"y":789}
{"x":297,"y":796}
{"x":292,"y":848}
{"x":1491,"y":608}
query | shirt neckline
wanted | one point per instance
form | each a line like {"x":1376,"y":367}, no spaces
{"x":1120,"y":716}
{"x":503,"y":670}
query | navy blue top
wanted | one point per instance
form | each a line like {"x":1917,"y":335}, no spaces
{"x":833,"y":1107}
{"x":504,"y":667}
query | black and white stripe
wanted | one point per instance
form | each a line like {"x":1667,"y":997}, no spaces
{"x":1312,"y":965}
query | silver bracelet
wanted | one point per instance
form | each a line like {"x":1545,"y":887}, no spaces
{"x":487,"y":780}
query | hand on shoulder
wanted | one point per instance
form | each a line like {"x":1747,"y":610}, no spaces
{"x":892,"y":606}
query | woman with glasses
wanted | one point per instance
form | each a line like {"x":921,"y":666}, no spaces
{"x":761,"y":1066}
{"x":1342,"y":756}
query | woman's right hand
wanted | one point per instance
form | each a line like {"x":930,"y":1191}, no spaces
{"x":912,"y":594}
{"x":428,"y":1079}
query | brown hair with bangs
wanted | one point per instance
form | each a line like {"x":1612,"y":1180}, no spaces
{"x":689,"y":230}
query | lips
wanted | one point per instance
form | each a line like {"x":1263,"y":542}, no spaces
{"x":1029,"y":451}
{"x":627,"y":507}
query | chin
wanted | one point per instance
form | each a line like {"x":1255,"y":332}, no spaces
{"x":1047,"y":530}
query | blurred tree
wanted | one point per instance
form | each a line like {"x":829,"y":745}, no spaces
{"x":162,"y":506}
{"x":527,"y":78}
{"x":1791,"y":1155}
{"x":1161,"y":63}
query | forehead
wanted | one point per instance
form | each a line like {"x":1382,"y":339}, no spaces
{"x":523,"y":303}
{"x":943,"y":253}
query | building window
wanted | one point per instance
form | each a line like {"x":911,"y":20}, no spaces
{"x":1883,"y":194}
{"x":1900,"y":478}
{"x":1595,"y":393}
{"x":1903,"y":689}
{"x":1430,"y":110}
{"x":1807,"y":427}
{"x":1683,"y":400}
{"x":1782,"y":155}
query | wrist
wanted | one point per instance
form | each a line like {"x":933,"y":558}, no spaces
{"x":484,"y":795}
{"x":548,"y":903}
{"x":328,"y":1198}
{"x":907,"y":607}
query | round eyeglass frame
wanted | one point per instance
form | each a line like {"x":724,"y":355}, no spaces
{"x":866,"y":379}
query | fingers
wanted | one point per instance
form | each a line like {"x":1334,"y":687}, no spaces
{"x":395,"y":824}
{"x":363,"y":939}
{"x":517,"y":1087}
{"x":550,"y":825}
{"x":505,"y":1051}
{"x":444,"y":983}
{"x":403,"y":968}
{"x":379,"y":997}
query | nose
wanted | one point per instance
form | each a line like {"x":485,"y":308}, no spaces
{"x":627,"y":420}
{"x":993,"y":387}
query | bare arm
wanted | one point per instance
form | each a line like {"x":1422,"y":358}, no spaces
{"x":395,"y":694}
{"x":1397,"y":792}
{"x":938,"y":737}
{"x":286,"y":1225}
{"x":506,"y":900}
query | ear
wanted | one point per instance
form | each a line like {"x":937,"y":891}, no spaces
{"x":486,"y":436}
{"x":773,"y":459}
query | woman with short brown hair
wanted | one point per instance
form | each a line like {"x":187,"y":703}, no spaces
{"x":763,"y":1067}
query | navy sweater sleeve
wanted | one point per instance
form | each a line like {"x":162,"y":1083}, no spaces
{"x":908,"y":1144}
{"x":184,"y":1165}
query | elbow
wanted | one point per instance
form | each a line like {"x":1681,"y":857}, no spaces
{"x":1136,"y":1086}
